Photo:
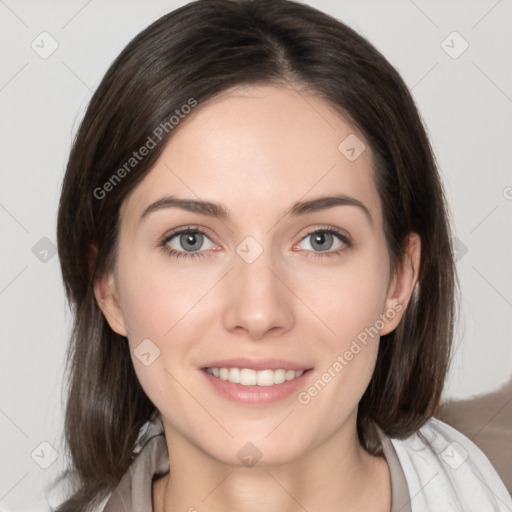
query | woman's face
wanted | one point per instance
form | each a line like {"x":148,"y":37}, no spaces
{"x":284,"y":268}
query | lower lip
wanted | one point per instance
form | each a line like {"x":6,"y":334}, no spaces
{"x":256,"y":395}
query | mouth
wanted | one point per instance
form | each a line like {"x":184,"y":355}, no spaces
{"x":256,"y":382}
{"x":250,"y":377}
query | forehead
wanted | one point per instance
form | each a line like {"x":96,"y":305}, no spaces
{"x":259,"y":149}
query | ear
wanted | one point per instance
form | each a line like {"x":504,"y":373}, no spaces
{"x":403,"y":284}
{"x":107,"y":298}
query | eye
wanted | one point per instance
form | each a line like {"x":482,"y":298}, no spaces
{"x":329,"y":241}
{"x":187,"y":243}
{"x":191,"y":242}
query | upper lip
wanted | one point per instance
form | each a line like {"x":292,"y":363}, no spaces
{"x":257,"y":364}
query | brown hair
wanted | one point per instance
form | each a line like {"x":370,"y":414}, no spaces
{"x":197,"y":52}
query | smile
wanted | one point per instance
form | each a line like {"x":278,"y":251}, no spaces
{"x":249,"y":377}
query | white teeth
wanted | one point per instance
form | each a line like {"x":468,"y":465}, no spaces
{"x":290,"y":374}
{"x":266,"y":378}
{"x":234,"y":375}
{"x":279,"y":376}
{"x":248,"y":377}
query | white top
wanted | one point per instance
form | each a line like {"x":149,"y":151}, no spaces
{"x":445,"y":471}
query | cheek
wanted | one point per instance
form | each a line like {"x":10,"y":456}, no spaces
{"x":156,"y":296}
{"x":348,"y":298}
{"x":154,"y":307}
{"x":349,"y":301}
{"x":165,"y":305}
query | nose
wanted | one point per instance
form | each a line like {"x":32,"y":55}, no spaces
{"x":258,"y":302}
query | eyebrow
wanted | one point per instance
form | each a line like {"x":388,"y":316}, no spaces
{"x":219,"y":211}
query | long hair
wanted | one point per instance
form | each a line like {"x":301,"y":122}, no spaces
{"x":191,"y":55}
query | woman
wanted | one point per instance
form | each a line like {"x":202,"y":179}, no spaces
{"x":254,"y":239}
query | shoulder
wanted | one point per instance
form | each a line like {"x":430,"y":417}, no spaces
{"x":447,"y":471}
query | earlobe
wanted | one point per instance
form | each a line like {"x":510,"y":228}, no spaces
{"x":404,"y":284}
{"x":108,"y":301}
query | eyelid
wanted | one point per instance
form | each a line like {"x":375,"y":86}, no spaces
{"x":344,"y":235}
{"x":184,"y":229}
{"x":195,"y":227}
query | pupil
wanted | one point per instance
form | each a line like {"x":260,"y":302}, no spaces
{"x":321,"y":241}
{"x":193,"y":240}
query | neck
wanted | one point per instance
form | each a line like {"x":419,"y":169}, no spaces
{"x":336,"y":475}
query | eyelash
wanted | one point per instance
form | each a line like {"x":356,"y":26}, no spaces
{"x":201,"y":254}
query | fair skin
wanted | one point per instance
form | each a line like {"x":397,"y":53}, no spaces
{"x":258,"y":150}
